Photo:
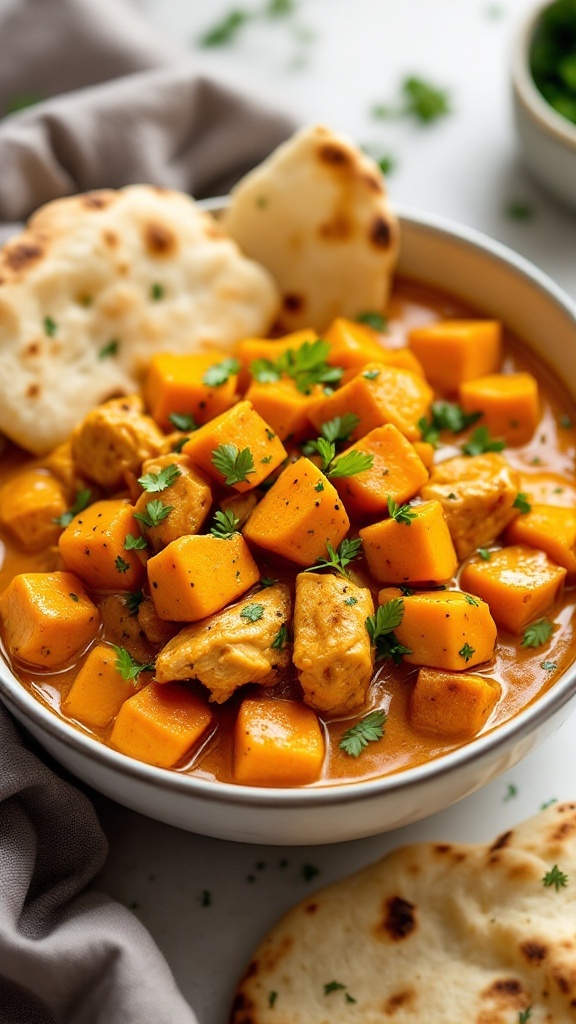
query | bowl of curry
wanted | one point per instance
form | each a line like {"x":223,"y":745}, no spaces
{"x":319,"y":587}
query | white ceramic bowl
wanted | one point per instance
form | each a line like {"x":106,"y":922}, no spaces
{"x":501,"y":284}
{"x":547,"y":140}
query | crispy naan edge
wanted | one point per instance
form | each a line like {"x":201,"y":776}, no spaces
{"x":99,"y":282}
{"x":317,"y":215}
{"x":435,"y":933}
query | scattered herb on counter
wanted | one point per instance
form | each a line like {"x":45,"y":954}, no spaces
{"x":81,"y":502}
{"x":279,"y":641}
{"x":511,"y":792}
{"x":121,"y":564}
{"x":401,"y":513}
{"x":553,"y":57}
{"x":340,"y":558}
{"x":466,"y":652}
{"x":522,"y":503}
{"x":548,"y":803}
{"x":156,"y":482}
{"x":183,"y":421}
{"x":133,"y":543}
{"x":156,"y":292}
{"x":420,"y":100}
{"x":234,"y":465}
{"x":480,"y":442}
{"x":109,"y":349}
{"x":133,"y":601}
{"x":519,"y":210}
{"x":537,"y":633}
{"x":127,"y":666}
{"x":381,"y":626}
{"x":50,"y":326}
{"x":225,"y":525}
{"x":156,"y":512}
{"x":367,"y":730}
{"x":374,"y":319}
{"x":252,"y":612}
{"x":309,"y":871}
{"x":220,"y":373}
{"x":555,"y":878}
{"x":225,"y":31}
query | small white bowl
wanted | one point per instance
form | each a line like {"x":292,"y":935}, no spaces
{"x":547,"y":140}
{"x":500,"y":284}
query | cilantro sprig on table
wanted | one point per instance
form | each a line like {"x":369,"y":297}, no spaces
{"x":305,"y":365}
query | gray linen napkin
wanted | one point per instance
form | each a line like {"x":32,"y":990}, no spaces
{"x":129,"y":108}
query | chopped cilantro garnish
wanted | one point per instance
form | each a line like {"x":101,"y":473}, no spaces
{"x":519,"y":209}
{"x":371,"y":374}
{"x":481,"y":442}
{"x":555,"y":878}
{"x":156,"y":512}
{"x":340,"y":428}
{"x":305,"y":365}
{"x":225,"y":31}
{"x":565,"y":422}
{"x":272,"y":997}
{"x":374,"y":319}
{"x":133,"y":543}
{"x":252,"y":612}
{"x":279,"y":641}
{"x":485,"y":554}
{"x":183,"y":421}
{"x":367,"y":730}
{"x":156,"y":291}
{"x":340,"y":558}
{"x":133,"y":601}
{"x":471,"y":600}
{"x":267,"y":581}
{"x":401,"y":513}
{"x":424,"y":101}
{"x":466,"y":652}
{"x":522,"y":503}
{"x":235,"y":465}
{"x":349,"y":464}
{"x":445,"y":416}
{"x":549,"y":666}
{"x":511,"y":792}
{"x":127,"y":666}
{"x":225,"y":524}
{"x":156,"y":482}
{"x":81,"y":502}
{"x":121,"y":564}
{"x":381,"y":626}
{"x":351,"y":601}
{"x":50,"y":326}
{"x":332,"y":986}
{"x":221,"y":372}
{"x":109,"y":349}
{"x":537,"y":633}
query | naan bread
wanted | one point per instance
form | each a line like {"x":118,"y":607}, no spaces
{"x":99,"y":282}
{"x":316,"y":214}
{"x":432,"y":934}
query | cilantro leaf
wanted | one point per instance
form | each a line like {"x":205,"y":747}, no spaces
{"x":156,"y":512}
{"x":401,"y":513}
{"x":183,"y":421}
{"x":374,"y":319}
{"x":555,"y":878}
{"x":221,"y":372}
{"x":351,"y":463}
{"x":133,"y":601}
{"x":524,"y":1015}
{"x":332,"y":986}
{"x":522,"y":503}
{"x":279,"y":641}
{"x":133,"y":543}
{"x":156,"y":291}
{"x":305,"y":365}
{"x":252,"y":612}
{"x":109,"y":349}
{"x":127,"y":666}
{"x":234,"y":465}
{"x":481,"y":442}
{"x":265,"y":371}
{"x":424,"y":101}
{"x":340,"y":558}
{"x":156,"y":482}
{"x":466,"y":652}
{"x":367,"y":730}
{"x":381,"y":626}
{"x":267,"y":581}
{"x":445,"y":416}
{"x":340,"y":428}
{"x":485,"y":554}
{"x":81,"y":502}
{"x":121,"y":564}
{"x":537,"y":633}
{"x":50,"y":326}
{"x":225,"y":31}
{"x":225,"y":524}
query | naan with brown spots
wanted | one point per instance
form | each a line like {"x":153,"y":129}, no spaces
{"x":317,"y":215}
{"x":432,"y":934}
{"x":96,"y":284}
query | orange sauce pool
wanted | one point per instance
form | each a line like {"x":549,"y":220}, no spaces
{"x":550,"y":454}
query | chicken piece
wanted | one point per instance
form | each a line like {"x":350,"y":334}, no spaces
{"x":245,"y":643}
{"x":60,"y":463}
{"x":188,"y":495}
{"x":332,"y":649}
{"x":123,"y":628}
{"x":114,"y":439}
{"x":477,"y":495}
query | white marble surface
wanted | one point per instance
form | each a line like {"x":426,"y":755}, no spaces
{"x":465,"y":167}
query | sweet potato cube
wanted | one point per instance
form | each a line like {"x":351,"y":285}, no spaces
{"x":242,"y":427}
{"x":508,"y":403}
{"x":47,"y":618}
{"x":547,"y":488}
{"x":419,"y":551}
{"x":29,"y":504}
{"x":277,"y":743}
{"x":446,"y":629}
{"x":283,"y":406}
{"x":396,"y":472}
{"x":452,"y":351}
{"x":99,"y":691}
{"x":93,"y":546}
{"x":175,"y":384}
{"x":249,"y":350}
{"x":518,"y":583}
{"x":455,"y":705}
{"x":550,"y":528}
{"x":189,"y":497}
{"x":477,"y":494}
{"x":198,"y":575}
{"x":425,"y":452}
{"x":379,"y":394}
{"x":299,"y":515}
{"x":352,"y":344}
{"x":161,"y":724}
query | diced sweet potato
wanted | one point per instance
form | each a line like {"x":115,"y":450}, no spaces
{"x":352,"y":344}
{"x":518,"y":583}
{"x":550,"y":528}
{"x":452,"y":351}
{"x":425,"y":451}
{"x":454,"y":705}
{"x":299,"y":515}
{"x":161,"y":725}
{"x":113,"y":441}
{"x":397,"y":472}
{"x":332,"y":649}
{"x":446,"y":629}
{"x":189,"y":497}
{"x":198,"y":575}
{"x":249,"y":350}
{"x":175,"y":384}
{"x":283,"y":406}
{"x":477,"y":495}
{"x":508,"y":403}
{"x":99,"y":691}
{"x":417,"y":551}
{"x":548,"y":489}
{"x":29,"y":504}
{"x":242,"y":427}
{"x":47,"y":618}
{"x":379,"y":394}
{"x":245,"y":643}
{"x":277,"y":743}
{"x":94,"y":546}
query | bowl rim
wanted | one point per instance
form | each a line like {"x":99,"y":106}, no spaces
{"x":527,"y":93}
{"x":20,"y":700}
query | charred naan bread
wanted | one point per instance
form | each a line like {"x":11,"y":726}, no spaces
{"x":99,"y":282}
{"x":316,"y":214}
{"x":433,"y":933}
